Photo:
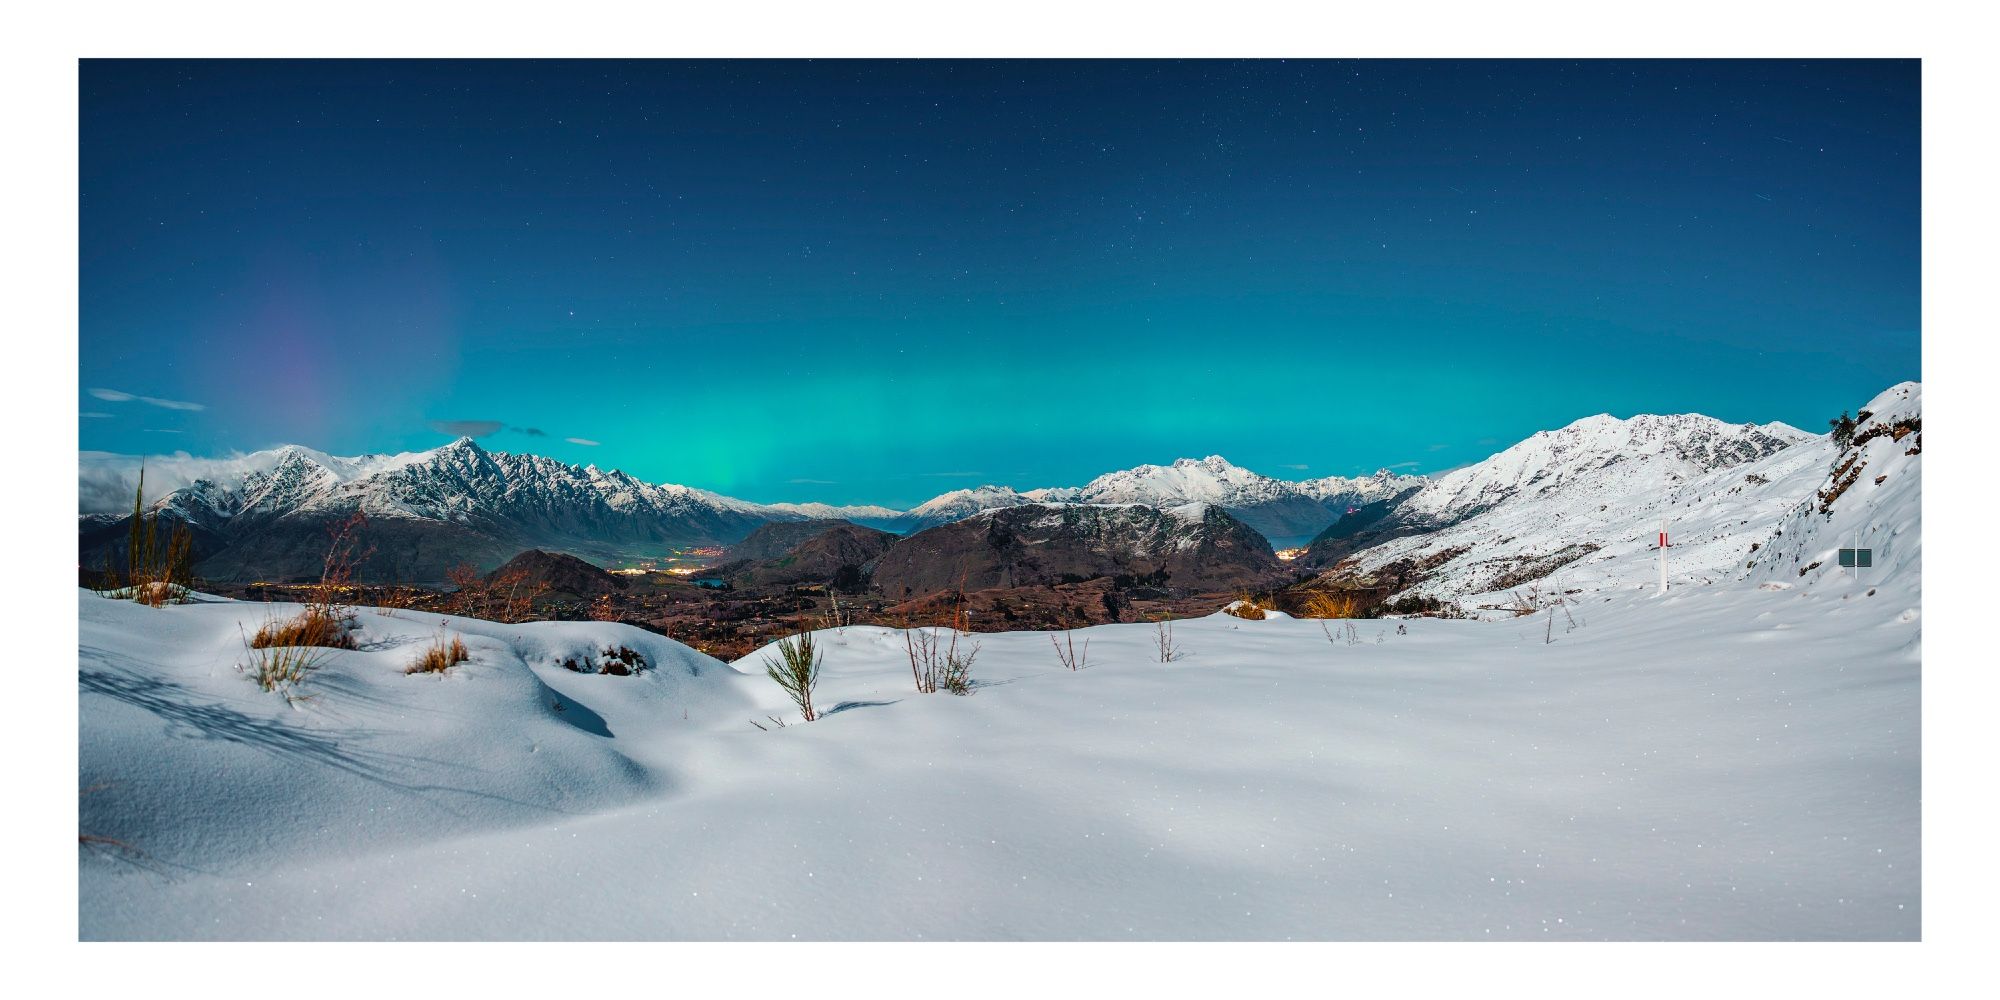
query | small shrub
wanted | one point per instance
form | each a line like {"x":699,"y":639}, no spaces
{"x":1067,"y":653}
{"x":618,"y":661}
{"x":797,"y":671}
{"x":398,"y":598}
{"x":440,"y":655}
{"x":956,"y":674}
{"x":934,"y":663}
{"x":1163,"y":641}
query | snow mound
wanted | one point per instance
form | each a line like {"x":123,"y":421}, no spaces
{"x":184,"y":755}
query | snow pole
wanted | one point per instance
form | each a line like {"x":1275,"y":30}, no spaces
{"x":1663,"y":556}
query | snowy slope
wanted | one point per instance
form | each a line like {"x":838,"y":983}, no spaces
{"x":1870,"y":496}
{"x":1733,"y":763}
{"x":1581,"y":507}
{"x":185,"y":758}
{"x":1603,"y":457}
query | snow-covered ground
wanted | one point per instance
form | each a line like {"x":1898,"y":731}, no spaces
{"x":1727,"y":762}
{"x":1605,"y":509}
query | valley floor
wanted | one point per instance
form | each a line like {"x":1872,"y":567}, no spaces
{"x":1724,"y":763}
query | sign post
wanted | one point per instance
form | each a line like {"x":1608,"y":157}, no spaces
{"x":1663,"y":555}
{"x":1857,"y":558}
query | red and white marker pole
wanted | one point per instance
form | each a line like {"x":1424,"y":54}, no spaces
{"x":1663,"y":555}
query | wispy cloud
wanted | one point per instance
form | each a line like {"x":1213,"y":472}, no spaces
{"x":466,"y":428}
{"x":160,"y":430}
{"x":813,"y":482}
{"x":1403,"y":465}
{"x":92,"y":413}
{"x":582,"y":441}
{"x":1296,"y":467}
{"x":1437,"y":447}
{"x":118,"y":396}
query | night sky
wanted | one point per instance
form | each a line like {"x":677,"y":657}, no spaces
{"x":862,"y":281}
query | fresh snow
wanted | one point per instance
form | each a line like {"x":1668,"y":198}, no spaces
{"x":1728,"y":763}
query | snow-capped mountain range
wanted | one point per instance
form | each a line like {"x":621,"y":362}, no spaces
{"x":1580,"y":509}
{"x":264,"y":514}
{"x":1284,"y":511}
{"x":494,"y":500}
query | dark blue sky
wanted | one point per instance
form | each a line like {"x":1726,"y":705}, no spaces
{"x":874,"y":281}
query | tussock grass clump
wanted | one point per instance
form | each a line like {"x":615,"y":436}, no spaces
{"x":1331,"y":604}
{"x":1246,"y":608}
{"x":280,"y":667}
{"x":315,"y":626}
{"x":440,"y":655}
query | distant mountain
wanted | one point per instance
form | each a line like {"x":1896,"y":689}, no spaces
{"x":566,"y":575}
{"x":429,"y":511}
{"x":1195,"y":547}
{"x":823,"y":552}
{"x":776,"y":539}
{"x":1284,"y":511}
{"x":1566,"y":500}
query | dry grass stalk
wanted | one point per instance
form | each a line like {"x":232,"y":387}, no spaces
{"x":155,"y":575}
{"x":1067,"y":653}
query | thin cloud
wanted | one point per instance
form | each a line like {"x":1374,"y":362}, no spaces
{"x":92,"y":413}
{"x":586,"y":442}
{"x":1296,"y":467}
{"x":530,"y":431}
{"x":813,"y":482}
{"x":117,"y":396}
{"x":1403,"y":465}
{"x":1437,"y":447}
{"x":466,"y":428}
